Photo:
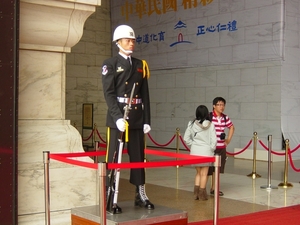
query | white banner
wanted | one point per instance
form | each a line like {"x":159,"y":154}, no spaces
{"x":189,"y":33}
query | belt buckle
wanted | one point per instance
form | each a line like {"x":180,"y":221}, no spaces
{"x":134,"y":101}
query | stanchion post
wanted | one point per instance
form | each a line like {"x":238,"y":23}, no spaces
{"x":254,"y":174}
{"x":285,"y":184}
{"x":217,"y":165}
{"x":145,"y":146}
{"x":96,"y":159}
{"x":94,"y":133}
{"x":102,"y":192}
{"x":177,"y":139}
{"x":46,"y":187}
{"x":177,"y":142}
{"x":269,"y":186}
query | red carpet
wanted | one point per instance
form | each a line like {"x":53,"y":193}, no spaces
{"x":287,"y":215}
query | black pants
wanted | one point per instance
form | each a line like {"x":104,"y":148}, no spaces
{"x":135,"y":148}
{"x":222,"y":153}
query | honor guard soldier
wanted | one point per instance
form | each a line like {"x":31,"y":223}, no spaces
{"x":119,"y":75}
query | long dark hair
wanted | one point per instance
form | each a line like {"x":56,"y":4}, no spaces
{"x":202,"y":114}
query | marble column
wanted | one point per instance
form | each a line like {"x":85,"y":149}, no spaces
{"x":48,"y":30}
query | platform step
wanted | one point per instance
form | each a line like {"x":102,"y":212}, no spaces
{"x":130,"y":215}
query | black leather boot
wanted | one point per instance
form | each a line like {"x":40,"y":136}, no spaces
{"x":196,"y":192}
{"x":115,"y":209}
{"x":110,"y":206}
{"x":141,"y":198}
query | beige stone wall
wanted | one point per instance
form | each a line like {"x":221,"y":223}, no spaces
{"x":48,"y":31}
{"x":83,"y":84}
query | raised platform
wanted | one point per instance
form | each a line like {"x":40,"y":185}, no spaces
{"x":131,"y":215}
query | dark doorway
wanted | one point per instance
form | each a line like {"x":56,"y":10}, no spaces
{"x":9,"y":26}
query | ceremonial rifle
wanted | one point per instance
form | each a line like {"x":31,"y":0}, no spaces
{"x":114,"y":175}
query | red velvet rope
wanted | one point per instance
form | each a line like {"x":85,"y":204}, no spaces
{"x":182,"y":141}
{"x":292,"y":151}
{"x":73,"y":161}
{"x":100,"y":137}
{"x":88,"y":137}
{"x":244,"y":149}
{"x":169,"y":154}
{"x":266,"y":148}
{"x":79,"y":154}
{"x":160,"y":145}
{"x":161,"y":163}
{"x":100,"y":145}
{"x":168,"y":163}
{"x":229,"y":153}
{"x":263,"y":145}
{"x":278,"y":153}
{"x":187,"y":160}
{"x":291,"y":161}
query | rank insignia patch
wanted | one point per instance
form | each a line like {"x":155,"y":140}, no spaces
{"x":104,"y":70}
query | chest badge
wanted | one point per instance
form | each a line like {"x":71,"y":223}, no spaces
{"x":120,"y":69}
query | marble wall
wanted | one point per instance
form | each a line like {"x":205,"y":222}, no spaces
{"x":83,"y":84}
{"x":48,"y":30}
{"x":252,"y":91}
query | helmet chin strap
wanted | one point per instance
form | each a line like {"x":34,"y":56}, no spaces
{"x":126,"y":51}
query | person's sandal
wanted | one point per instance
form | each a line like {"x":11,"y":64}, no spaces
{"x":212,"y":192}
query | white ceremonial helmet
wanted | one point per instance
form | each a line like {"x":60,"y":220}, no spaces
{"x":123,"y":31}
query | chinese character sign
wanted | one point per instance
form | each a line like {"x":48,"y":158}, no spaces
{"x":188,"y":33}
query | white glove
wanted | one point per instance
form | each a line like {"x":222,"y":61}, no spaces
{"x":147,"y":128}
{"x":121,"y":124}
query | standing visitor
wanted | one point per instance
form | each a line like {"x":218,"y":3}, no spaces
{"x":221,"y":121}
{"x":200,"y":134}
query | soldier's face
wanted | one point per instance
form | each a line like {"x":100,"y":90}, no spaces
{"x":127,"y":44}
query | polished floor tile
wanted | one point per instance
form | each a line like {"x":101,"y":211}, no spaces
{"x":173,"y":187}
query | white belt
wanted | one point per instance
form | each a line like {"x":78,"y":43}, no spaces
{"x":126,"y":100}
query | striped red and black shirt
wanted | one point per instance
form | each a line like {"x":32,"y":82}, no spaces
{"x":220,"y":124}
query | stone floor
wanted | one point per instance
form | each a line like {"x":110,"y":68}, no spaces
{"x":173,"y":187}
